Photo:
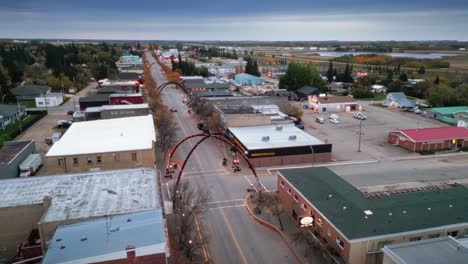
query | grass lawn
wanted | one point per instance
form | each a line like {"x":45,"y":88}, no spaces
{"x":13,"y":130}
{"x":28,"y":103}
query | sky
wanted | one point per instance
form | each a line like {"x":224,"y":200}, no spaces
{"x":273,"y":20}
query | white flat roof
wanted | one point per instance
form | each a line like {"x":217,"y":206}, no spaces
{"x":107,"y":135}
{"x":85,"y":195}
{"x":251,"y":137}
{"x":131,"y":106}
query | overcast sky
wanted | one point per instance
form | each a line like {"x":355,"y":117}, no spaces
{"x":236,"y":20}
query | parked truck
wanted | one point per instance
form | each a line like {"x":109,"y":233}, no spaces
{"x":30,"y":165}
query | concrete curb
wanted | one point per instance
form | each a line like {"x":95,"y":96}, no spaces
{"x":271,"y":227}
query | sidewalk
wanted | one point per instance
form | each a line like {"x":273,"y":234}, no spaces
{"x":290,"y":229}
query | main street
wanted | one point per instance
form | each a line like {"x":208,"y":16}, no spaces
{"x":232,"y":235}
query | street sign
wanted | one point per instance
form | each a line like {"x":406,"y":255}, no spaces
{"x":307,"y":221}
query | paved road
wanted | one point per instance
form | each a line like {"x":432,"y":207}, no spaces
{"x":232,"y":235}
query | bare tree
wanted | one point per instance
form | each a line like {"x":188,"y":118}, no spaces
{"x":166,"y":127}
{"x":277,"y":210}
{"x":304,"y":237}
{"x":290,"y":110}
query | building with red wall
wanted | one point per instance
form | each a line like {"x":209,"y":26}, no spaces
{"x":430,"y":139}
{"x":357,"y":225}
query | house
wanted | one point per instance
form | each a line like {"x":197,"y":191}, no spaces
{"x":128,"y":238}
{"x":50,"y":99}
{"x":12,"y":154}
{"x":10,"y":114}
{"x":358,"y":225}
{"x":398,"y":100}
{"x":306,"y":91}
{"x":338,"y":87}
{"x":451,"y":115}
{"x":29,"y":91}
{"x":276,"y":145}
{"x":124,"y":76}
{"x":104,"y":145}
{"x":247,"y":79}
{"x":333,"y":104}
{"x":430,"y":139}
{"x":428,"y":251}
{"x":38,"y":205}
{"x":377,"y":88}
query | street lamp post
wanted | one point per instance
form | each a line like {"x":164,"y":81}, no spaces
{"x":360,"y":129}
{"x":189,"y":251}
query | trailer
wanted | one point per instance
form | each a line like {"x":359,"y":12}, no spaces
{"x":30,"y":165}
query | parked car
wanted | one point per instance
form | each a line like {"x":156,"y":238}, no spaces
{"x":70,"y":113}
{"x":333,"y":116}
{"x":320,"y":119}
{"x":173,"y":109}
{"x":360,"y":116}
{"x":334,"y":121}
{"x":305,"y":107}
{"x":30,"y":165}
{"x":64,"y":123}
{"x":417,"y":111}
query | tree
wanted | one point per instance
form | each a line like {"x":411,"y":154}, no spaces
{"x":252,"y":67}
{"x":291,"y":110}
{"x":422,"y":70}
{"x":330,"y":73}
{"x":99,"y":71}
{"x":403,"y":77}
{"x":442,"y":95}
{"x":361,"y":91}
{"x":166,"y":127}
{"x":395,"y":86}
{"x":437,"y":80}
{"x":5,"y":81}
{"x":297,"y":75}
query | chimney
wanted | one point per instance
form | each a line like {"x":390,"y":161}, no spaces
{"x":131,"y":255}
{"x":46,"y":202}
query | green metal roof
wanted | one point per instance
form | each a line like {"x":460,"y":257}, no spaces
{"x":344,"y":205}
{"x":449,"y":110}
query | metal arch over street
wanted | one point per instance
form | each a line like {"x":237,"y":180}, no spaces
{"x":164,"y":85}
{"x":205,"y":137}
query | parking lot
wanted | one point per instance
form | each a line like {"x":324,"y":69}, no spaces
{"x":345,"y":135}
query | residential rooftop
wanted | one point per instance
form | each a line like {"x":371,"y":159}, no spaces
{"x":107,"y":135}
{"x":107,"y":238}
{"x":279,"y":137}
{"x":236,"y":109}
{"x":428,"y":251}
{"x":435,"y":133}
{"x":449,"y":110}
{"x":345,"y":206}
{"x":84,"y":195}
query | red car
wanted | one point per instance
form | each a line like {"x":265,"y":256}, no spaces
{"x":173,"y":109}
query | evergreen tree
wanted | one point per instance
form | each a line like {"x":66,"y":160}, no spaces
{"x":422,"y":70}
{"x":437,"y":80}
{"x":330,"y":72}
{"x":403,"y":77}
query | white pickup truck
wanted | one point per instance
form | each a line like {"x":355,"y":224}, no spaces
{"x":30,"y":165}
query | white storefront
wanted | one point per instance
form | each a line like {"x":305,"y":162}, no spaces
{"x":51,"y":99}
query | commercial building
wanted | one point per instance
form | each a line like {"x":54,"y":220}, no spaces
{"x":398,"y":100}
{"x":247,"y":79}
{"x":129,"y":61}
{"x":199,"y":85}
{"x":428,"y":251}
{"x":277,"y":145}
{"x":50,"y":99}
{"x":10,"y":114}
{"x":357,"y":225}
{"x":430,"y":139}
{"x":38,"y":205}
{"x":243,"y":115}
{"x":451,"y":115}
{"x":109,"y":97}
{"x":29,"y":91}
{"x":104,"y":145}
{"x":333,"y":104}
{"x":12,"y":154}
{"x":128,"y":238}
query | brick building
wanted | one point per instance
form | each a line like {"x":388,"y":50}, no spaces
{"x":104,"y":145}
{"x":277,"y":145}
{"x":357,"y":226}
{"x":37,"y":205}
{"x":122,"y":239}
{"x":430,"y":139}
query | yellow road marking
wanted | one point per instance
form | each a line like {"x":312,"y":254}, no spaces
{"x":234,"y":237}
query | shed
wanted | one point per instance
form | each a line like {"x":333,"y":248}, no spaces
{"x":398,"y":100}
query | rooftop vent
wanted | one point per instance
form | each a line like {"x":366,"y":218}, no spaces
{"x":265,"y":138}
{"x":368,"y":212}
{"x":62,"y":247}
{"x":292,"y":137}
{"x":279,"y":128}
{"x":83,"y":239}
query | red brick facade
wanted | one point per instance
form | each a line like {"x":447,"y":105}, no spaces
{"x":291,"y":159}
{"x":297,"y":207}
{"x":398,"y":139}
{"x":148,"y":259}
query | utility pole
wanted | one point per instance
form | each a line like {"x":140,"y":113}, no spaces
{"x":18,"y":112}
{"x":360,"y":129}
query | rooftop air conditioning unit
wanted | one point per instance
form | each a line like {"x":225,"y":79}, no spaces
{"x":279,"y":128}
{"x":292,"y":137}
{"x":265,"y":138}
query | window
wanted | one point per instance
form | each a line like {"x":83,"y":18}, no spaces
{"x":452,"y":233}
{"x":134,"y":156}
{"x":319,"y":221}
{"x":60,"y":162}
{"x":304,"y":206}
{"x":339,"y":242}
{"x":289,"y":190}
{"x":282,"y":184}
{"x":98,"y":160}
{"x":382,"y":244}
{"x":90,"y":160}
{"x":415,"y":238}
{"x":75,"y":162}
{"x":433,"y":236}
{"x":296,"y":198}
{"x":328,"y":232}
{"x":116,"y":157}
